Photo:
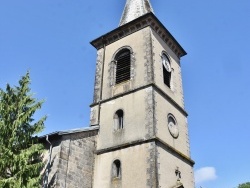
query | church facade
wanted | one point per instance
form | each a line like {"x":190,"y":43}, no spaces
{"x":138,"y":134}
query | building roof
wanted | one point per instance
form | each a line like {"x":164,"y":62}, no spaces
{"x":71,"y":131}
{"x":134,"y":9}
{"x":148,"y":19}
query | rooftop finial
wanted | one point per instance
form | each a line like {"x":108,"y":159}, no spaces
{"x":134,"y":9}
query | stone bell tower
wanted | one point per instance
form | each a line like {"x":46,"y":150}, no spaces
{"x":138,"y":104}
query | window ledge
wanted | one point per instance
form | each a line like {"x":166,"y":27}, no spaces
{"x":118,"y":130}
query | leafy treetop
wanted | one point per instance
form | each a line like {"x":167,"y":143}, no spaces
{"x":244,"y":185}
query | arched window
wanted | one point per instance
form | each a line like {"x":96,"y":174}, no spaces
{"x":118,"y":120}
{"x":123,"y":64}
{"x":166,"y":70}
{"x":116,"y":169}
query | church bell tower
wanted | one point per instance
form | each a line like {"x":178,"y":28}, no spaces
{"x":138,"y":104}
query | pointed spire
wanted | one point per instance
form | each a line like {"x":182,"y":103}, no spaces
{"x":134,"y":9}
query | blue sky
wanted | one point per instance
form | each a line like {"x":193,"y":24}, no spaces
{"x":51,"y":40}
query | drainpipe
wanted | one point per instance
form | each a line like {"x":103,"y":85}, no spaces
{"x":48,"y":164}
{"x":103,"y":59}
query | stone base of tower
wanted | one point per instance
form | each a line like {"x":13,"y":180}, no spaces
{"x":75,"y":162}
{"x":148,"y":164}
{"x":173,"y":173}
{"x":137,"y":167}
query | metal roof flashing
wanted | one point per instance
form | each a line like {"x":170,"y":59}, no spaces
{"x":71,"y":131}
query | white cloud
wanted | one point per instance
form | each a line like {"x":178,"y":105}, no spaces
{"x":205,"y":174}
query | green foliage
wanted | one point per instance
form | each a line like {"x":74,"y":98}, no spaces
{"x":20,"y":153}
{"x":244,"y":185}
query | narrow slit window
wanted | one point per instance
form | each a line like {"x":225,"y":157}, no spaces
{"x":118,"y":120}
{"x":116,"y":169}
{"x":123,"y":66}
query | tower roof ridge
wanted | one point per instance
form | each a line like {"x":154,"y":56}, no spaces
{"x":134,"y":9}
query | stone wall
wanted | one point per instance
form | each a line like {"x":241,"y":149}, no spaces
{"x":72,"y":160}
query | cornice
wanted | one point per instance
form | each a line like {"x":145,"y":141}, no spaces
{"x":147,"y":20}
{"x":156,"y":88}
{"x":158,"y":142}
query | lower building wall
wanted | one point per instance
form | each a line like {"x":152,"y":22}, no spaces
{"x":72,"y":161}
{"x":137,"y":168}
{"x":53,"y":169}
{"x":75,"y":163}
{"x":168,"y":163}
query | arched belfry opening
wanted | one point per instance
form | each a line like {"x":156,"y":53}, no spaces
{"x":123,"y":66}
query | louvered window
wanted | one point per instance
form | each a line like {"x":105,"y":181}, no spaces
{"x":122,"y":66}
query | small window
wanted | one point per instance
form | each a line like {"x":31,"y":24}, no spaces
{"x":171,"y":119}
{"x":118,"y":120}
{"x":173,"y":126}
{"x":116,"y":169}
{"x":166,"y":70}
{"x":123,"y":64}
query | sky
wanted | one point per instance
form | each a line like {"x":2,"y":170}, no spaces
{"x":51,"y":40}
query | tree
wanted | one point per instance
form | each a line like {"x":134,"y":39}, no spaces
{"x":20,"y":152}
{"x":244,"y":185}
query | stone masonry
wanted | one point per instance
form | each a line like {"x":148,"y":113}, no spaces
{"x":72,"y":158}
